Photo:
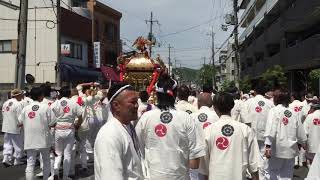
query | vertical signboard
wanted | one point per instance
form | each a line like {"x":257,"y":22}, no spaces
{"x":96,"y":52}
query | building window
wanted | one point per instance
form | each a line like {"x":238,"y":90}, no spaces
{"x":249,"y":62}
{"x":5,"y":46}
{"x":233,"y":59}
{"x":232,"y":72}
{"x":75,"y":50}
{"x":111,"y":57}
{"x":109,"y":31}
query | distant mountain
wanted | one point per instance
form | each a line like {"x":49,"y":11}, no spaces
{"x":186,"y":74}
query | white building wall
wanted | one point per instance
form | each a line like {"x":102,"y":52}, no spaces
{"x":41,"y":45}
{"x":41,"y":51}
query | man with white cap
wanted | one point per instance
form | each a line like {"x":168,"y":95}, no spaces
{"x":117,"y":155}
{"x":169,"y":138}
{"x":36,"y":120}
{"x":183,"y":104}
{"x":66,"y":112}
{"x":13,"y":137}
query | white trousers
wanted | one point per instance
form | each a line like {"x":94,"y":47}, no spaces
{"x":64,"y":142}
{"x":51,"y":162}
{"x":32,"y":156}
{"x":12,"y":142}
{"x":262,"y":161}
{"x":280,"y":169}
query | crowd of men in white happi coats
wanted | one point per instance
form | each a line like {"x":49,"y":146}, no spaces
{"x":177,"y":135}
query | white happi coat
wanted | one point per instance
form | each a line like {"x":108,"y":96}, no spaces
{"x":256,"y":112}
{"x":237,"y":110}
{"x":26,"y":101}
{"x":312,"y":129}
{"x":204,"y":117}
{"x":284,"y":131}
{"x":305,"y":109}
{"x":185,"y":106}
{"x":232,"y":148}
{"x":36,"y":118}
{"x":169,"y":139}
{"x":47,"y":101}
{"x":11,"y":110}
{"x":314,"y":173}
{"x":115,"y":156}
{"x":66,"y":111}
{"x":297,"y":106}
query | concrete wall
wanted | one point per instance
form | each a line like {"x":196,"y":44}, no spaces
{"x":41,"y":45}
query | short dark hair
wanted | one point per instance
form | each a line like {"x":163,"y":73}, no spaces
{"x":115,"y":87}
{"x":166,"y":101}
{"x":296,"y":95}
{"x":46,"y":89}
{"x":281,"y":96}
{"x":223,"y":102}
{"x":65,"y":91}
{"x":260,"y":87}
{"x":36,"y":93}
{"x":183,"y":92}
{"x":144,"y":96}
{"x":207,"y":88}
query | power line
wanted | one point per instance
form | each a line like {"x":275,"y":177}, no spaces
{"x":188,"y":29}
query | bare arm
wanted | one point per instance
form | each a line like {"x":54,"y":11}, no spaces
{"x":194,"y":163}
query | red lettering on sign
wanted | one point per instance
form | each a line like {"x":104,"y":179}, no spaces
{"x":160,"y":130}
{"x":222,"y":143}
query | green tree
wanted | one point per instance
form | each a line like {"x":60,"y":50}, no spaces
{"x":313,"y":78}
{"x":245,"y":84}
{"x":206,"y":74}
{"x":274,"y":76}
{"x":227,"y":85}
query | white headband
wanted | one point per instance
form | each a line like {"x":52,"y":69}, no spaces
{"x":118,"y":92}
{"x":160,"y":90}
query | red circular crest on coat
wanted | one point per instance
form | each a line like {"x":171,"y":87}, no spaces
{"x":160,"y":130}
{"x":49,"y":103}
{"x":222,"y":143}
{"x":285,"y":121}
{"x":31,"y":115}
{"x":296,"y":109}
{"x":66,"y":109}
{"x":316,"y":121}
{"x":206,"y":124}
{"x":7,"y":108}
{"x":258,"y":109}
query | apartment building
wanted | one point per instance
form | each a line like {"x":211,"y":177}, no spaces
{"x":280,"y":32}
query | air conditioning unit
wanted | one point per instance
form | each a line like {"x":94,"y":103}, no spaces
{"x":229,"y":19}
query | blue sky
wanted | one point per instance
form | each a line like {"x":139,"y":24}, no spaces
{"x":174,"y":16}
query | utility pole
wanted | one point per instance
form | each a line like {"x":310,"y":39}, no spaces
{"x":169,"y":57}
{"x":236,"y":41}
{"x":58,"y":68}
{"x":212,"y":34}
{"x":22,"y":45}
{"x":150,"y":36}
{"x":204,"y":60}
